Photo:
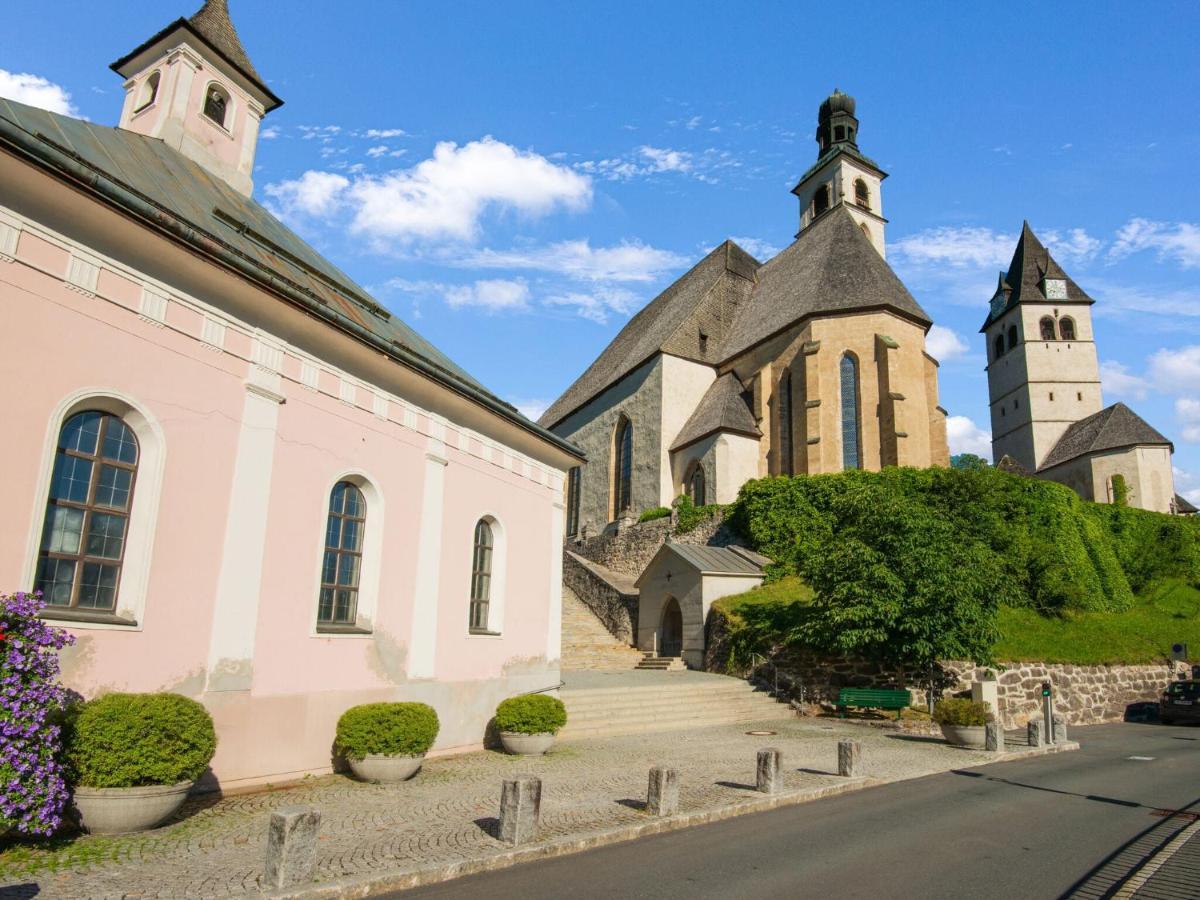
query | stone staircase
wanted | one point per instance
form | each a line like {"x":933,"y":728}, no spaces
{"x":654,"y":663}
{"x":587,"y":644}
{"x":671,"y":702}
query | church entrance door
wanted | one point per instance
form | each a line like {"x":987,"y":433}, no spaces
{"x":670,"y":631}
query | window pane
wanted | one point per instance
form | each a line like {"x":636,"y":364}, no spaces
{"x":329,"y":567}
{"x":333,"y":531}
{"x":325,"y":607}
{"x":98,"y":586}
{"x":64,"y":526}
{"x":71,"y":479}
{"x":851,"y":452}
{"x":55,"y":577}
{"x":112,"y":488}
{"x":338,"y":497}
{"x":106,"y":536}
{"x":80,"y":432}
{"x":348,"y":571}
{"x":355,"y":506}
{"x":344,"y":609}
{"x":352,"y":534}
{"x":119,"y":442}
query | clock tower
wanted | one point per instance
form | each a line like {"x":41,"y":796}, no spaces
{"x":1043,"y":373}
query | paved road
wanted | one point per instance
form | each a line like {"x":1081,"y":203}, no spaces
{"x":1069,"y":825}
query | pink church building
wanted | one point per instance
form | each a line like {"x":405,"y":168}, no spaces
{"x":232,"y":472}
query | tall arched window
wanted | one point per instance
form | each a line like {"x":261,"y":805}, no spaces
{"x":87,"y":515}
{"x":481,"y":576}
{"x":1066,"y":328}
{"x":1047,"y":328}
{"x":341,"y":567}
{"x":851,"y":444}
{"x":149,"y":91}
{"x":998,"y":346}
{"x":622,"y":468}
{"x":1012,"y":336}
{"x":695,"y":484}
{"x":785,"y":422}
{"x":573,"y":479}
{"x":216,"y":104}
{"x":821,"y":200}
{"x":862,"y":195}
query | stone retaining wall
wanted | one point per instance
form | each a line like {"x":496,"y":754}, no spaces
{"x":628,"y":550}
{"x":616,"y":608}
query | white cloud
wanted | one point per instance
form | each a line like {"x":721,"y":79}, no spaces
{"x":376,"y":152}
{"x":627,"y":261}
{"x":384,"y":133}
{"x":1177,"y":241}
{"x":493,"y":295}
{"x":597,"y":304}
{"x":1187,"y":411}
{"x":958,"y":247}
{"x":1116,"y":379}
{"x":659,"y":159}
{"x":692,"y":123}
{"x":1176,"y":369}
{"x":317,"y":194}
{"x":944,"y":343}
{"x":531,"y":409}
{"x":33,"y":90}
{"x":647,"y":161}
{"x":1187,"y":484}
{"x":1073,"y":247}
{"x":269,"y":133}
{"x":964,"y":436}
{"x":759,"y":249}
{"x":1118,"y":301}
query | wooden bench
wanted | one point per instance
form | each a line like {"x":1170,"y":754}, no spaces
{"x":873,"y":698}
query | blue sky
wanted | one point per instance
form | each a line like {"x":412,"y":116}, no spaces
{"x":516,"y":179}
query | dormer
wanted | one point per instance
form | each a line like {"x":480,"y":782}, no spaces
{"x":193,"y":87}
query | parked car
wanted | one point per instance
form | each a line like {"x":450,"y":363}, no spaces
{"x":1180,"y":703}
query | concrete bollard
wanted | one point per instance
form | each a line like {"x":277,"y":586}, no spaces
{"x":292,"y":846}
{"x":769,"y":778}
{"x":993,"y":737}
{"x":662,"y":797}
{"x":1037,"y":732}
{"x":520,"y":809}
{"x":849,"y":758}
{"x":1060,"y":729}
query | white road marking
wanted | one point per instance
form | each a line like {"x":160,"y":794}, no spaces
{"x":1142,"y":758}
{"x":1152,"y":865}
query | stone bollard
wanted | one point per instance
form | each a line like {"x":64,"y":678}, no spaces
{"x":1037,"y":732}
{"x":769,"y":778}
{"x":993,"y":736}
{"x":292,"y":846}
{"x":520,"y":809}
{"x":1060,"y":729}
{"x":662,"y":797}
{"x":849,"y":758}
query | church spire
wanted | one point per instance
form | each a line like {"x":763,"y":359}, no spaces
{"x":214,"y":25}
{"x":836,"y":123}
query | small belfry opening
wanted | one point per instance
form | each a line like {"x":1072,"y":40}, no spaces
{"x":216,"y":104}
{"x":862,"y":194}
{"x":821,"y":200}
{"x":149,"y":91}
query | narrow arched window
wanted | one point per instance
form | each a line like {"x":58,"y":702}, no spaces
{"x":1012,"y":336}
{"x":862,"y":195}
{"x":216,"y":104}
{"x":1066,"y":328}
{"x":839,"y":132}
{"x":998,"y":346}
{"x":785,"y":422}
{"x":1047,"y":328}
{"x":341,"y":567}
{"x":695,"y":486}
{"x":821,"y":200}
{"x":87,"y":513}
{"x":149,"y":91}
{"x":851,"y":443}
{"x":623,"y":468}
{"x":573,"y":479}
{"x":481,"y":576}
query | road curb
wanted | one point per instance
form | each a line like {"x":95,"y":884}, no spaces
{"x":402,"y":879}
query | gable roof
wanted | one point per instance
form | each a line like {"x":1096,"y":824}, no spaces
{"x":168,"y":192}
{"x":707,"y":560}
{"x":1112,"y":428}
{"x":722,"y":408}
{"x":1183,"y":507}
{"x":703,"y":297}
{"x":1031,"y":264}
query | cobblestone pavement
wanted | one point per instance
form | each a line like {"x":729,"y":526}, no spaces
{"x":445,"y":815}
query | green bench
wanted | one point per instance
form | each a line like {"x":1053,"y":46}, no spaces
{"x":873,"y":698}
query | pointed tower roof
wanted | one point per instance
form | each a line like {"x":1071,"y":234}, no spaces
{"x":722,"y":408}
{"x":1026,"y":278}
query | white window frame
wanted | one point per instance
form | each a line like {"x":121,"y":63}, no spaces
{"x":497,"y":585}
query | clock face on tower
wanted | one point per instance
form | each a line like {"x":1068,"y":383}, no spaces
{"x":998,"y":303}
{"x":1056,"y":289}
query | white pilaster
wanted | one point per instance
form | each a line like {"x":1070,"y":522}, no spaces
{"x":422,"y":646}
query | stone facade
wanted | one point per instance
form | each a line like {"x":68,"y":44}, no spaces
{"x":1146,"y":470}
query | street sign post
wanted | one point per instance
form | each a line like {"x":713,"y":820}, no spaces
{"x":1048,"y":710}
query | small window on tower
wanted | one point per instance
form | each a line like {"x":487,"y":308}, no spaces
{"x":1066,"y":327}
{"x":821,"y":200}
{"x":1047,"y":328}
{"x":1052,"y":396}
{"x":998,"y":346}
{"x":839,"y":133}
{"x":216,"y":104}
{"x":1012,"y":336}
{"x":703,"y":343}
{"x":862,"y":196}
{"x":1079,"y":395}
{"x":149,"y":91}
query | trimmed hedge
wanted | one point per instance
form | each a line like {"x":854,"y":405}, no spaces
{"x":961,"y":712}
{"x":386,"y":729}
{"x":134,"y":740}
{"x":656,"y":512}
{"x":531,"y":714}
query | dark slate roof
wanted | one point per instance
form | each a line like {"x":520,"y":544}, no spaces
{"x":722,"y":408}
{"x":1183,"y":507}
{"x":1031,"y":264}
{"x":708,"y":560}
{"x":832,"y":267}
{"x":702,"y":301}
{"x":833,"y":151}
{"x":112,"y":164}
{"x":1112,"y":428}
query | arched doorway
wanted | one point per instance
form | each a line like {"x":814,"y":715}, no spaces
{"x":670,"y":629}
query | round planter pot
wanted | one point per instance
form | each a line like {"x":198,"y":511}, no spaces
{"x":386,"y":769}
{"x":970,"y":736}
{"x":122,"y":810}
{"x":526,"y":744}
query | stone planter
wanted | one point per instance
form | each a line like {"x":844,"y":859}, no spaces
{"x":526,"y":744}
{"x":970,"y":736}
{"x":122,"y":810}
{"x":386,"y":769}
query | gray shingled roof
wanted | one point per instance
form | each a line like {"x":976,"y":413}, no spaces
{"x":1183,"y":507}
{"x":1031,"y":263}
{"x":708,"y":560}
{"x":722,"y":408}
{"x":1112,"y":428}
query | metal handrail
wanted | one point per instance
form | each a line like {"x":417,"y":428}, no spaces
{"x":543,"y":690}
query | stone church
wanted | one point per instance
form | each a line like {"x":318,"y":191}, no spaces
{"x":811,"y":362}
{"x":1048,"y":417}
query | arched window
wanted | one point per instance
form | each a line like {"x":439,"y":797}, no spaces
{"x":695,"y":484}
{"x":573,"y":479}
{"x":851,"y":445}
{"x":1012,"y":336}
{"x":149,"y":91}
{"x":862,"y":196}
{"x":1066,"y":328}
{"x":341,"y":567}
{"x":1047,"y":328}
{"x":481,"y":576}
{"x":87,"y":514}
{"x":821,"y":200}
{"x":839,"y":132}
{"x":622,"y":468}
{"x":216,"y":104}
{"x":998,"y":346}
{"x":784,"y":407}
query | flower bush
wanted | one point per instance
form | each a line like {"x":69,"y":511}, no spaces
{"x":531,"y":714}
{"x":960,"y":711}
{"x":33,"y":790}
{"x":386,"y":729}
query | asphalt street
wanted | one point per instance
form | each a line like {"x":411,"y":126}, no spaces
{"x":1069,"y":825}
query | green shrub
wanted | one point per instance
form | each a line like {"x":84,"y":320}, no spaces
{"x":1120,"y":491}
{"x":386,"y":729}
{"x":531,"y":714}
{"x":131,"y":740}
{"x":658,"y":512}
{"x":691,"y":515}
{"x":961,"y":712}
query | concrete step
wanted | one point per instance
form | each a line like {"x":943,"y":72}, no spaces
{"x":614,"y":729}
{"x":755,"y":711}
